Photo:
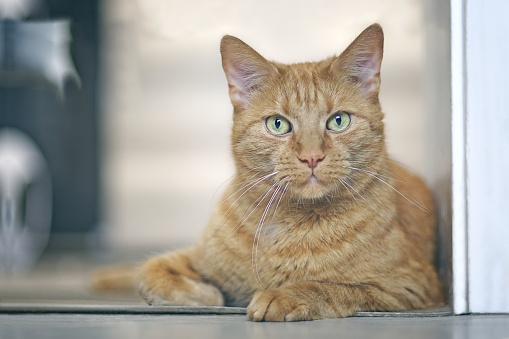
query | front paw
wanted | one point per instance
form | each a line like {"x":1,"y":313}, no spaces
{"x":179,"y":291}
{"x":170,"y":280}
{"x":279,"y":305}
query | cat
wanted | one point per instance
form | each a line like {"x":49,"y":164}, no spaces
{"x":318,"y":222}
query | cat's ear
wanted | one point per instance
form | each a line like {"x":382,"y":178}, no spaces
{"x":361,"y":61}
{"x":245,"y":70}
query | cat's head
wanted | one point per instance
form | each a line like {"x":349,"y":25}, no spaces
{"x":307,"y":124}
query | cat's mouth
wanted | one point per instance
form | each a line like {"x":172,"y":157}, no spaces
{"x":312,"y":180}
{"x":312,"y":187}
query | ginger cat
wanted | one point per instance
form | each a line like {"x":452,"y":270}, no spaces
{"x":318,"y":222}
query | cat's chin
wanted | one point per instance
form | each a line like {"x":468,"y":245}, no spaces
{"x":312,"y":189}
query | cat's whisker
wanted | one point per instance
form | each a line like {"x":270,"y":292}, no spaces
{"x":256,"y":238}
{"x":423,"y":208}
{"x":358,"y":193}
{"x":366,"y":200}
{"x":258,"y":181}
{"x":257,"y":202}
{"x":242,"y":185}
{"x":417,"y":196}
{"x":376,"y":168}
{"x":279,"y":201}
{"x":246,"y":183}
{"x":336,"y":189}
{"x":251,"y":184}
{"x":238,"y":175}
{"x":402,"y":223}
{"x":283,"y":191}
{"x":348,"y":189}
{"x":374,"y":173}
{"x":257,"y":168}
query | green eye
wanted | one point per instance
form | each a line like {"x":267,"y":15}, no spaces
{"x":339,"y":121}
{"x":278,"y":125}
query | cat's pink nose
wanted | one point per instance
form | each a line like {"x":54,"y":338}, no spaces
{"x":312,"y":159}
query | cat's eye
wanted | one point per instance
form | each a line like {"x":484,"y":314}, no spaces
{"x":339,"y":121}
{"x":278,"y":125}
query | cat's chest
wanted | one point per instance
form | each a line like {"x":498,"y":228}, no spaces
{"x":275,"y":254}
{"x":279,"y":253}
{"x":285,"y":254}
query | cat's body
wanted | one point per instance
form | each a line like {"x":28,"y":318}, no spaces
{"x":318,"y":222}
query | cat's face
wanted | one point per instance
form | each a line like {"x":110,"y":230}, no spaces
{"x":307,"y":125}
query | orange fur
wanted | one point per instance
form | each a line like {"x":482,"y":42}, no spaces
{"x":315,"y":224}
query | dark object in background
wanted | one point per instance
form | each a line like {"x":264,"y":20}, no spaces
{"x":32,"y":51}
{"x":66,"y":129}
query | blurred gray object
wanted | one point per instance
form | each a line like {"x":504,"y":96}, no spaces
{"x":33,"y":50}
{"x":17,"y":9}
{"x":25,"y":202}
{"x":38,"y":59}
{"x":29,"y":52}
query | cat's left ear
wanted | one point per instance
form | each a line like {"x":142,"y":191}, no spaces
{"x":245,"y":70}
{"x":361,"y":61}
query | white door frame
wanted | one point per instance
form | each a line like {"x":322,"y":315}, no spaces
{"x":480,"y":155}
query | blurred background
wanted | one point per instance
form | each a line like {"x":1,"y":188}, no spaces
{"x":115,"y":118}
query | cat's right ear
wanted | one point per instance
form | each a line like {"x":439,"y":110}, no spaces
{"x":245,"y":70}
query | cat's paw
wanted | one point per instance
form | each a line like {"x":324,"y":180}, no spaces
{"x":278,"y":305}
{"x":169,"y":280}
{"x":179,"y":291}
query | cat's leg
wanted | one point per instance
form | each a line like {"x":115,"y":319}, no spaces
{"x":170,"y":279}
{"x":316,"y":300}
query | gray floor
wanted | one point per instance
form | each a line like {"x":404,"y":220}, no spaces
{"x":77,"y":326}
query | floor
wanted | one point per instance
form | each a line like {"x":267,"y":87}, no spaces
{"x":77,"y":326}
